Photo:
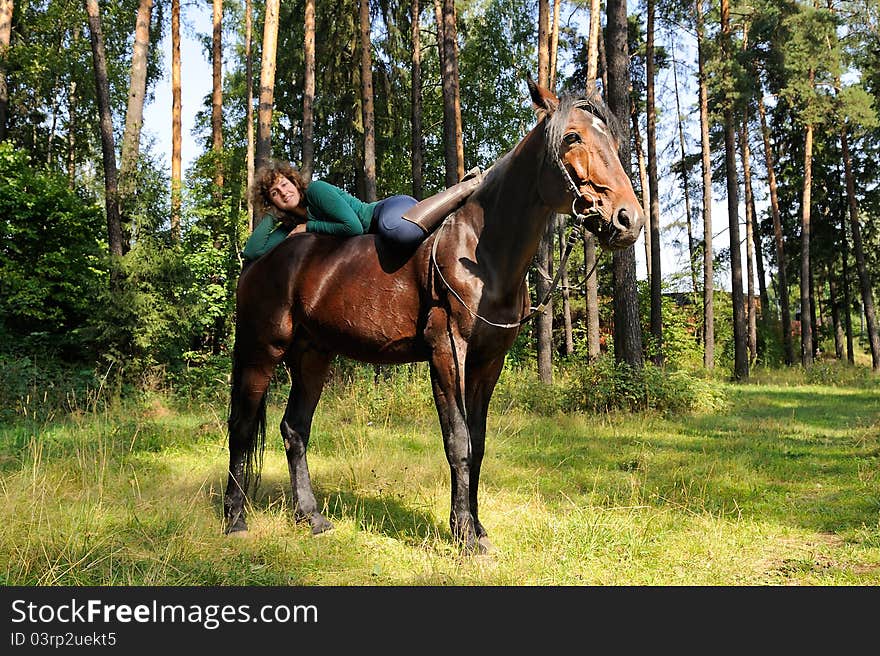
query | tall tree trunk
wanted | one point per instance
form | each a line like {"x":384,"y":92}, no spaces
{"x":217,"y":94}
{"x":741,"y":351}
{"x":249,"y":109}
{"x":706,"y":163}
{"x":554,"y":44}
{"x":6,"y":7}
{"x":591,"y":282}
{"x":806,"y":313}
{"x":782,"y":274}
{"x":566,"y":293}
{"x":847,"y":300}
{"x":176,"y":130}
{"x":417,"y":146}
{"x":759,"y":260}
{"x":308,"y":121}
{"x":544,"y":257}
{"x":267,"y":83}
{"x":656,"y":274}
{"x":644,"y":186}
{"x":134,"y":116}
{"x":627,"y":327}
{"x":71,"y":133}
{"x":834,"y":300}
{"x":108,"y":145}
{"x":367,"y":96}
{"x":453,"y":145}
{"x":859,"y":250}
{"x":751,"y":309}
{"x":685,"y":182}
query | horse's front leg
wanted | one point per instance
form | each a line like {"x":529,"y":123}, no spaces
{"x":447,"y":381}
{"x":481,"y":382}
{"x":308,"y":371}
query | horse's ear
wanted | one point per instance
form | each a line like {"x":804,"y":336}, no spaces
{"x":544,"y":101}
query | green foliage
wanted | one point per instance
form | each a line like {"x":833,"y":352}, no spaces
{"x":605,"y":386}
{"x":52,"y":263}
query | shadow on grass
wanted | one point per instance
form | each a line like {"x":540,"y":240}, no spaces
{"x":385,"y":514}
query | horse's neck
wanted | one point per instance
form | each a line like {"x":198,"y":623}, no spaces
{"x":514,"y":215}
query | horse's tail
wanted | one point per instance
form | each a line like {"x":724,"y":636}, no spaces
{"x":247,"y":427}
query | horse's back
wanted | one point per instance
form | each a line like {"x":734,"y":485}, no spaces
{"x":352,"y":296}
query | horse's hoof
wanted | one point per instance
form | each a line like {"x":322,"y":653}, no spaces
{"x":319,"y":523}
{"x":237,"y":526}
{"x":239,"y":534}
{"x":485,"y":546}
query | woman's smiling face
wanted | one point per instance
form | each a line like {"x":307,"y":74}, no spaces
{"x":284,"y":194}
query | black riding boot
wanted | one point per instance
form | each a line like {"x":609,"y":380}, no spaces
{"x":427,"y":214}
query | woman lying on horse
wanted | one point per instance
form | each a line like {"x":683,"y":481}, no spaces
{"x":290,"y":207}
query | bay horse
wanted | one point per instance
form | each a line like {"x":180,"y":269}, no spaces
{"x":456,"y":302}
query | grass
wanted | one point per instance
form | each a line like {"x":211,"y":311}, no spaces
{"x":779,"y":486}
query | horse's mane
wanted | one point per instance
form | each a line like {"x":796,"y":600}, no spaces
{"x":554,"y":127}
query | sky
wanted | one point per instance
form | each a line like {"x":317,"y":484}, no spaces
{"x":196,"y":75}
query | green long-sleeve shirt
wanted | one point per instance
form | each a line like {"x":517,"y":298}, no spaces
{"x":330,"y":211}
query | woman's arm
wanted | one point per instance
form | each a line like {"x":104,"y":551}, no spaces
{"x":329,"y":213}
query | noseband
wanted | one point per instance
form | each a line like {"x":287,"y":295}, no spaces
{"x":594,"y":218}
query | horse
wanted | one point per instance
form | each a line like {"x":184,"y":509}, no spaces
{"x":456,"y":302}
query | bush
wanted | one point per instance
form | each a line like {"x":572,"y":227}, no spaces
{"x":605,"y":386}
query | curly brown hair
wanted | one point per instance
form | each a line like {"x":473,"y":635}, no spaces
{"x":264,"y":178}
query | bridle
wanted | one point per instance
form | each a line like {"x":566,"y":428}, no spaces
{"x":593,"y":211}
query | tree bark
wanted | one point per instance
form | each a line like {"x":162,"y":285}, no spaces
{"x":593,"y":45}
{"x":417,"y":146}
{"x":782,"y":273}
{"x":453,"y":146}
{"x":267,"y":84}
{"x":134,"y":116}
{"x":806,"y":313}
{"x":554,"y":44}
{"x":176,"y":129}
{"x":847,"y":300}
{"x":627,"y":327}
{"x":249,"y":109}
{"x":307,"y":165}
{"x":544,"y":257}
{"x":759,"y":261}
{"x":368,"y":111}
{"x":591,"y":282}
{"x":217,"y":94}
{"x":653,"y":184}
{"x":108,"y":146}
{"x":566,"y":294}
{"x":6,"y":8}
{"x":834,"y":300}
{"x":751,"y":309}
{"x":706,"y":163}
{"x":644,"y":186}
{"x":741,"y":351}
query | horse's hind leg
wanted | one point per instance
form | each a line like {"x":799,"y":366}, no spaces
{"x":308,"y":370}
{"x":247,"y":429}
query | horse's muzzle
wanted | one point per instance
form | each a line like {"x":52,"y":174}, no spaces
{"x":626,"y":224}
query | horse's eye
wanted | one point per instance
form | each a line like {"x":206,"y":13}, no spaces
{"x":572,"y":138}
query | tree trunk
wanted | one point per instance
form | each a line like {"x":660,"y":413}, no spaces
{"x":108,"y":146}
{"x":593,"y":45}
{"x":417,"y":146}
{"x":6,"y":7}
{"x":645,"y":187}
{"x":784,"y":307}
{"x":806,"y":313}
{"x":741,"y":351}
{"x":217,"y":95}
{"x":847,"y":300}
{"x":858,"y":249}
{"x":759,"y":260}
{"x":176,"y":130}
{"x":249,"y":109}
{"x":627,"y":327}
{"x":71,"y":134}
{"x":653,"y":184}
{"x":835,"y":314}
{"x":134,"y":116}
{"x":554,"y":44}
{"x":751,"y":309}
{"x":685,"y":182}
{"x":706,"y":163}
{"x":307,"y":165}
{"x":566,"y":295}
{"x":367,"y":96}
{"x":267,"y":84}
{"x":453,"y":145}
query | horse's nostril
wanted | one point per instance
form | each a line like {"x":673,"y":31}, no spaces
{"x":624,"y":220}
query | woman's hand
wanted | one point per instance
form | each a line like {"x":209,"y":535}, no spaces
{"x":297,"y":229}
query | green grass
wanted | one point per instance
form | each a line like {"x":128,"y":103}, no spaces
{"x":780,"y":485}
